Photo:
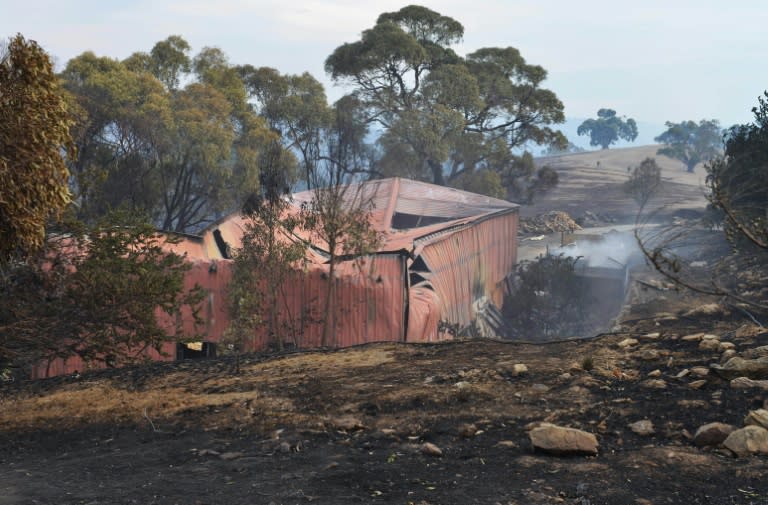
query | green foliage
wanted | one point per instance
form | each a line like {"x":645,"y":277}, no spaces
{"x":34,"y":132}
{"x":691,"y":143}
{"x":94,"y":292}
{"x":548,"y":299}
{"x":268,"y":256}
{"x":443,"y":115}
{"x":608,"y":128}
{"x":644,"y":181}
{"x":181,"y":156}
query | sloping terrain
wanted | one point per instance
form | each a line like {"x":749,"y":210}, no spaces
{"x":405,"y":424}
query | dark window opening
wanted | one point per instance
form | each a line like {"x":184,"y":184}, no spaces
{"x":195,"y":350}
{"x":221,"y":244}
{"x":419,"y":265}
{"x":401,"y":221}
{"x":416,"y":278}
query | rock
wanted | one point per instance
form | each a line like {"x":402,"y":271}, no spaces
{"x":539,"y":388}
{"x":700,"y":371}
{"x":695,"y":337}
{"x":648,"y":355}
{"x":747,"y":383}
{"x":347,"y":423}
{"x":654,"y":373}
{"x":462,"y":385}
{"x":740,"y":367}
{"x":507,"y":444}
{"x":757,"y":417}
{"x":229,"y":456}
{"x":467,"y":430}
{"x":712,"y":434}
{"x":725,"y":346}
{"x":707,"y":310}
{"x":682,"y":373}
{"x":643,"y":427}
{"x":748,"y":330}
{"x":651,"y":336}
{"x":285,"y":447}
{"x":728,"y":354}
{"x":709,"y":336}
{"x":748,"y":440}
{"x":757,"y":352}
{"x":654,"y":384}
{"x":430,"y":449}
{"x":559,"y":440}
{"x":208,"y":452}
{"x":627,"y":342}
{"x":697,"y":384}
{"x":709,"y":345}
{"x":519,"y":369}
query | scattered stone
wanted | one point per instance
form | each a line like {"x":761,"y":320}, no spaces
{"x":709,"y":336}
{"x":757,"y":417}
{"x":747,"y":383}
{"x":757,"y":352}
{"x":285,"y":447}
{"x":347,"y":423}
{"x":467,"y":430}
{"x":700,"y":371}
{"x":695,"y":337}
{"x":559,"y":440}
{"x":627,"y":342}
{"x":507,"y":444}
{"x":748,"y":440}
{"x":654,"y":384}
{"x":725,"y":346}
{"x":697,"y":384}
{"x":740,"y":367}
{"x":539,"y":388}
{"x":709,"y":345}
{"x":430,"y":449}
{"x":707,"y":310}
{"x":208,"y":452}
{"x":682,"y":373}
{"x":648,"y":355}
{"x":728,"y":354}
{"x":654,"y":373}
{"x":693,"y":404}
{"x":548,"y":222}
{"x":748,"y":330}
{"x":462,"y":385}
{"x":712,"y":434}
{"x":519,"y":369}
{"x":565,"y":376}
{"x":229,"y":456}
{"x":651,"y":336}
{"x":643,"y":427}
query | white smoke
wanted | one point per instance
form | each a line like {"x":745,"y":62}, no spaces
{"x":612,"y":250}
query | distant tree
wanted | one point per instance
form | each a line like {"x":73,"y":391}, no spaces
{"x":644,"y":181}
{"x":34,"y":136}
{"x":94,"y":292}
{"x":608,"y":128}
{"x":738,"y":197}
{"x":691,"y":143}
{"x":443,"y":115}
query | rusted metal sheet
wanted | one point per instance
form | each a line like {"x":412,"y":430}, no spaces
{"x":423,"y":314}
{"x":468,"y":263}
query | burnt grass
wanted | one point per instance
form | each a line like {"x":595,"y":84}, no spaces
{"x":347,"y":426}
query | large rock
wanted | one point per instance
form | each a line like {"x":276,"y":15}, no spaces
{"x":712,"y":434}
{"x":559,"y":440}
{"x":740,"y":367}
{"x":747,"y":383}
{"x":644,"y":427}
{"x":748,"y":440}
{"x":757,"y":417}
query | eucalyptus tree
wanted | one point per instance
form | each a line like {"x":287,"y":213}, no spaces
{"x":183,"y":155}
{"x":443,"y":115}
{"x":608,"y":128}
{"x":690,"y":142}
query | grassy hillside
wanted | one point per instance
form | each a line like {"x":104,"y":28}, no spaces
{"x":592,"y":181}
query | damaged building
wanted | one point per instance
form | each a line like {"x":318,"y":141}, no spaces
{"x":441,"y":264}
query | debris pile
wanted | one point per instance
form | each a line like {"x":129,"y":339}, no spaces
{"x":548,"y":222}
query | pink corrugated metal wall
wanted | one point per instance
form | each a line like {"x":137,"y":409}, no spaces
{"x":466,"y":264}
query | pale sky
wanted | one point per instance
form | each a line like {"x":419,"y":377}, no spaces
{"x":651,"y":60}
